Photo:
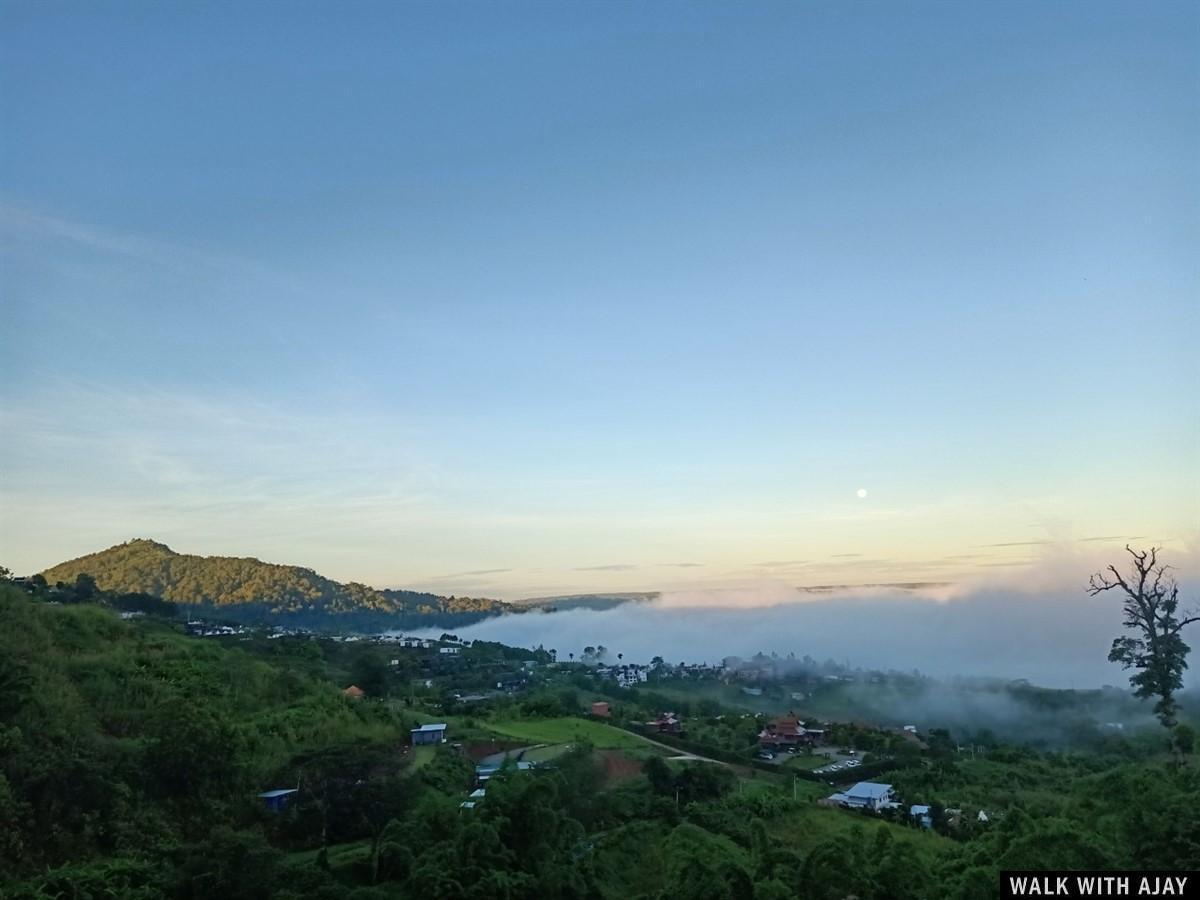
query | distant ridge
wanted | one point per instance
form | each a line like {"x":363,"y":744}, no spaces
{"x":586,"y":601}
{"x":895,"y":585}
{"x":248,"y":588}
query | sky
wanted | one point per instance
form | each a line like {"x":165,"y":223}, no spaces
{"x":528,"y":299}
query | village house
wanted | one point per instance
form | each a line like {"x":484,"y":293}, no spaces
{"x":276,"y":800}
{"x":667,"y":723}
{"x":789,"y":731}
{"x":600,"y":709}
{"x":511,"y":682}
{"x":429,"y":734}
{"x":625,"y":676}
{"x":354,"y":692}
{"x":865,"y":795}
{"x":422,"y":643}
{"x":475,"y":797}
{"x":484,"y":773}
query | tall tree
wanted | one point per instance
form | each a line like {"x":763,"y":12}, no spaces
{"x":1155,"y":648}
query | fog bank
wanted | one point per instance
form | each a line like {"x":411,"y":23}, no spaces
{"x":1055,"y":636}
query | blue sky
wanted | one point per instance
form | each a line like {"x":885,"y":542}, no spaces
{"x":514,"y":299}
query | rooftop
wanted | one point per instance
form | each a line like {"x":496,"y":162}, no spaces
{"x":437,"y":727}
{"x":280,"y":792}
{"x":869,"y":789}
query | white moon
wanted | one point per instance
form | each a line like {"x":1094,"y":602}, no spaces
{"x":862,"y":493}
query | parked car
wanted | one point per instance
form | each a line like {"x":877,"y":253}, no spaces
{"x":766,"y":754}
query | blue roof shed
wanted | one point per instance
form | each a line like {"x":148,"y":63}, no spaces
{"x":277,"y":799}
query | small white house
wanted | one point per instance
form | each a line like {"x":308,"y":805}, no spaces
{"x":449,"y":651}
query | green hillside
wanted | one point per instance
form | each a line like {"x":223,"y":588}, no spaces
{"x":250,"y":589}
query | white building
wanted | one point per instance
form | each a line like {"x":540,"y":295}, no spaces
{"x":866,"y":795}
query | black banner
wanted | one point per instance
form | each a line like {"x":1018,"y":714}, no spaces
{"x":1100,"y":884}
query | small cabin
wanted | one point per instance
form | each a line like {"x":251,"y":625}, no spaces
{"x":278,"y":799}
{"x":429,"y":734}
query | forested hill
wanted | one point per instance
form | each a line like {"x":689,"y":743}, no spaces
{"x":248,"y":589}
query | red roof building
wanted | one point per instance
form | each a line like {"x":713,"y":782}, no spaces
{"x":788,"y":731}
{"x":667,"y":723}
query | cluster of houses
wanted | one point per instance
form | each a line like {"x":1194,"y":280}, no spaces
{"x":204,"y":629}
{"x":691,"y":670}
{"x":666,"y":723}
{"x":876,"y":797}
{"x":401,"y":641}
{"x":625,"y":676}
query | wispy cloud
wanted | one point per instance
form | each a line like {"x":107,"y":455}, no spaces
{"x":1017,"y":544}
{"x":19,"y":224}
{"x":611,"y":567}
{"x":230,"y":472}
{"x":473,"y":572}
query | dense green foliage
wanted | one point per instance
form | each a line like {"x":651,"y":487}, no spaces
{"x":247,"y":589}
{"x":131,"y":756}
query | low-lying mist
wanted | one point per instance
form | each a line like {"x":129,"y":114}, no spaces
{"x":1053,"y":634}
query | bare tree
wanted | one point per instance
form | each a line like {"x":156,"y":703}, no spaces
{"x":1155,"y":649}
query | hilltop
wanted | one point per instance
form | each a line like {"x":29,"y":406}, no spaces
{"x":586,"y":601}
{"x":245,"y":588}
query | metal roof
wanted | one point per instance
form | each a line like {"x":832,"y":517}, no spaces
{"x":438,"y":727}
{"x":870,"y":790}
{"x":492,"y":770}
{"x":280,"y":792}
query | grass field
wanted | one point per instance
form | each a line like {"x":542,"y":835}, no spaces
{"x":339,"y":855}
{"x":545,"y":754}
{"x":567,"y":730}
{"x":804,"y":761}
{"x":421,"y":756}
